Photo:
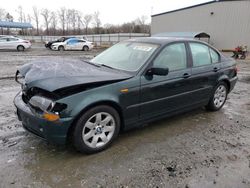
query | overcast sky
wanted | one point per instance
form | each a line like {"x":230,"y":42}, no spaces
{"x":111,"y":11}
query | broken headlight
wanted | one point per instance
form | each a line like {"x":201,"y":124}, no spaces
{"x":46,"y":105}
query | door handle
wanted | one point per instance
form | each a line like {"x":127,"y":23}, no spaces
{"x":186,"y":75}
{"x":216,"y":69}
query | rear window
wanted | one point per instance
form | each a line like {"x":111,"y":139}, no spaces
{"x":200,"y":54}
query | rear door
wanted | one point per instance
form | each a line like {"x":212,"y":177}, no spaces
{"x":205,"y":70}
{"x":72,"y":44}
{"x":12,"y":43}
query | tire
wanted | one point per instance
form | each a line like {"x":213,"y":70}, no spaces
{"x":218,"y":98}
{"x":85,"y":48}
{"x":20,"y":48}
{"x":96,"y":129}
{"x":61,"y":48}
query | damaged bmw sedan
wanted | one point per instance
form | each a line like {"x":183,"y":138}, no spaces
{"x":131,"y":83}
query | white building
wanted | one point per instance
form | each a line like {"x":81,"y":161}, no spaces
{"x":226,"y":21}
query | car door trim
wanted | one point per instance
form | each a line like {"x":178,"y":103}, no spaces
{"x":169,"y":97}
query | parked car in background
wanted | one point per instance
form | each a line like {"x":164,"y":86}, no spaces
{"x":73,"y":44}
{"x":131,"y":83}
{"x":62,"y":39}
{"x":14,"y":43}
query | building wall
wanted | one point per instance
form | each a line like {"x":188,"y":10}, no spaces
{"x":228,"y":27}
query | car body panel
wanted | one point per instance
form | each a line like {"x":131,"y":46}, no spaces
{"x":137,"y":96}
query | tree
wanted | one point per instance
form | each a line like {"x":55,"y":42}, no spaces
{"x":46,"y":16}
{"x":20,"y":13}
{"x":9,"y":18}
{"x":62,"y":18}
{"x":86,"y":21}
{"x":2,"y":14}
{"x":53,"y":22}
{"x":97,"y":21}
{"x":36,"y":18}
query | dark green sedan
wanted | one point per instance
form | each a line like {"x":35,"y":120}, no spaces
{"x":129,"y":84}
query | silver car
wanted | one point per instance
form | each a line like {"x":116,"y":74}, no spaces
{"x":73,"y":44}
{"x":13,"y":43}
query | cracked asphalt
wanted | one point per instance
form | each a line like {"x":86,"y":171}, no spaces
{"x":191,"y":150}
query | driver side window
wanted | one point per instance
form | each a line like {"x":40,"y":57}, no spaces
{"x":173,"y":57}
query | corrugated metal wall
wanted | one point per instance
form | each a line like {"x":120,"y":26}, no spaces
{"x":229,"y":25}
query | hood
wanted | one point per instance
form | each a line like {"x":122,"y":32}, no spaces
{"x":53,"y":74}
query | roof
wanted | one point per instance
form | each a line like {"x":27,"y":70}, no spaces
{"x":159,"y":40}
{"x":15,"y":25}
{"x":201,"y":4}
{"x":199,"y":34}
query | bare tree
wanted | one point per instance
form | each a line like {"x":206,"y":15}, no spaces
{"x":9,"y":17}
{"x":141,"y":21}
{"x":46,"y":16}
{"x":36,"y":18}
{"x":2,"y":14}
{"x":79,"y":22}
{"x":97,"y":21}
{"x":20,"y":13}
{"x":62,"y":17}
{"x":53,"y":22}
{"x":86,"y":21}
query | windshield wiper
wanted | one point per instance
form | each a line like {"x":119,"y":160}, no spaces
{"x":94,"y":64}
{"x":103,"y":65}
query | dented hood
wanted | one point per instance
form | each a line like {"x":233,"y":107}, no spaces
{"x":52,"y":74}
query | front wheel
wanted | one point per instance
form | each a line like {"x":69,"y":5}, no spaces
{"x":20,"y":48}
{"x":96,"y":129}
{"x":61,"y":48}
{"x":218,"y":98}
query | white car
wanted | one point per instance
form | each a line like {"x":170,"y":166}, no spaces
{"x":73,"y":44}
{"x":13,"y":43}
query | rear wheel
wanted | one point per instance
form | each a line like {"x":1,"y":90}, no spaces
{"x":60,"y":48}
{"x":96,"y":129}
{"x":85,"y":48}
{"x":20,"y":48}
{"x":219,"y":97}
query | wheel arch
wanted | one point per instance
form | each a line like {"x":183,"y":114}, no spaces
{"x":225,"y":79}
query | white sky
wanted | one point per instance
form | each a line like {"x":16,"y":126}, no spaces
{"x":111,"y":11}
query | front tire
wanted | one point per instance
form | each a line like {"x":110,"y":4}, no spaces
{"x":96,"y":129}
{"x":20,"y":48}
{"x":61,"y":48}
{"x":218,"y":98}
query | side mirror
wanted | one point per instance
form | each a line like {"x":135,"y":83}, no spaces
{"x":157,"y":71}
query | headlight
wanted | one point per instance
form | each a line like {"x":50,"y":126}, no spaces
{"x":46,"y":105}
{"x":46,"y":108}
{"x":41,"y":102}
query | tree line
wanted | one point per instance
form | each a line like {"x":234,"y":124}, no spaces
{"x":66,"y":21}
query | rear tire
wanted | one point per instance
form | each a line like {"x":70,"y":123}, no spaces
{"x":85,"y":48}
{"x":20,"y":48}
{"x":96,"y":129}
{"x":218,"y":98}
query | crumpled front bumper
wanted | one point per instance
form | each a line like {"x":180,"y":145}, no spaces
{"x":52,"y":131}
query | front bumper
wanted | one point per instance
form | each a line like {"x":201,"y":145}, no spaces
{"x":55,"y":132}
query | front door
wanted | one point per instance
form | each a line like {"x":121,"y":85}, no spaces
{"x":163,"y":94}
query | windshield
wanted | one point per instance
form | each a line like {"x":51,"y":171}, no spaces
{"x":127,"y":56}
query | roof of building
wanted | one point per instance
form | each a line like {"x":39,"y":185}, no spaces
{"x":200,"y":34}
{"x":198,"y":5}
{"x":15,"y":25}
